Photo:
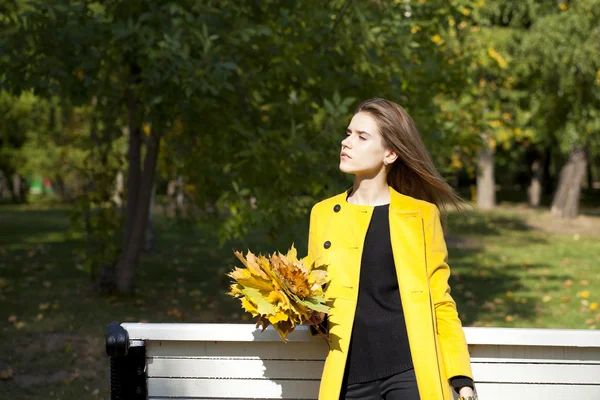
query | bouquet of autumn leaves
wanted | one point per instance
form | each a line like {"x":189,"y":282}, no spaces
{"x":281,"y":290}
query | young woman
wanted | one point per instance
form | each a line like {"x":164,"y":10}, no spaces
{"x":393,"y":327}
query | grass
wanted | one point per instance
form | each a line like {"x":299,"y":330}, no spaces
{"x":509,"y":269}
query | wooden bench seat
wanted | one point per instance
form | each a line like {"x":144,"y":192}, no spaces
{"x":237,"y":361}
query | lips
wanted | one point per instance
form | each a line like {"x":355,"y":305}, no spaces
{"x":344,"y":154}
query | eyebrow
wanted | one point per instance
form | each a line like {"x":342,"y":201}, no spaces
{"x":365,"y":132}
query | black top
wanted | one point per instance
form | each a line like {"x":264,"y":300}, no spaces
{"x":379,"y":343}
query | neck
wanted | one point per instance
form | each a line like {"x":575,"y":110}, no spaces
{"x":370,"y":191}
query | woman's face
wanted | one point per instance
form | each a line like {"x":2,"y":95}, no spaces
{"x":363,"y":151}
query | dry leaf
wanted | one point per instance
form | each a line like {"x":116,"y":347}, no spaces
{"x":280,"y":289}
{"x":568,"y":283}
{"x":6,"y":374}
{"x":175,"y":313}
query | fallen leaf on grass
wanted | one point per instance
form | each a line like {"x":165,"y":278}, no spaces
{"x":20,"y":325}
{"x":584,"y":282}
{"x":546,"y":299}
{"x":565,"y":299}
{"x":568,"y":283}
{"x":6,"y":374}
{"x":12,"y":318}
{"x":175,"y":313}
{"x":44,"y":306}
{"x":509,"y":318}
{"x":39,"y":317}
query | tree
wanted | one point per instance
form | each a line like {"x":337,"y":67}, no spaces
{"x":244,"y":98}
{"x":561,"y":58}
{"x":137,"y":60}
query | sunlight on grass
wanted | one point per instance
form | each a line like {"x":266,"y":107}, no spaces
{"x":505,"y":272}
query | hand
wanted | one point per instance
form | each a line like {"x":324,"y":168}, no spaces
{"x":465,"y":391}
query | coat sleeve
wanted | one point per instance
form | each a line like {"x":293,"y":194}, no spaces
{"x":453,"y":344}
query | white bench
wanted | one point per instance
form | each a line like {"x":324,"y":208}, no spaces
{"x":237,"y":361}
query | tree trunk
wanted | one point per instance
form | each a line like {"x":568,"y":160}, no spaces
{"x":548,"y":180}
{"x":117,"y":196}
{"x":129,"y":256}
{"x":134,"y":156}
{"x":149,"y":236}
{"x":18,"y":188}
{"x":566,"y":199}
{"x":590,"y":175}
{"x":486,"y":192}
{"x":534,"y":192}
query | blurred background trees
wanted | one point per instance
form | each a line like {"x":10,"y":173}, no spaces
{"x":231,"y":113}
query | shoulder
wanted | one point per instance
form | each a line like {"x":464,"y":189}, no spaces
{"x":426,"y":208}
{"x":328,"y":203}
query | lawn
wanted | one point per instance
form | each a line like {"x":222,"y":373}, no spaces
{"x":511,"y":267}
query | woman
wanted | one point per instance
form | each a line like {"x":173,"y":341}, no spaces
{"x":397,"y":335}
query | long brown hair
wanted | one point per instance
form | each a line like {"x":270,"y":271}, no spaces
{"x":413,"y":173}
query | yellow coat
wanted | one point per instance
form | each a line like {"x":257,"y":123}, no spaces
{"x":437,"y":342}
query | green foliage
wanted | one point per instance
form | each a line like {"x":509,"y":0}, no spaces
{"x":251,"y":99}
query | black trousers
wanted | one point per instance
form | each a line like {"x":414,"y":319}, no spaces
{"x":401,"y":386}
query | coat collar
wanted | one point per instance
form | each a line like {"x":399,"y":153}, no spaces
{"x":398,"y":202}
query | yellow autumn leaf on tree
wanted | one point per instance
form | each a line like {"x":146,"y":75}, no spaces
{"x":497,"y":57}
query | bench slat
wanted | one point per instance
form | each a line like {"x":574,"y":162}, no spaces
{"x":234,"y":368}
{"x":499,"y":391}
{"x":232,"y":388}
{"x":249,"y":333}
{"x":257,"y":350}
{"x":536,"y":373}
{"x":273,"y":370}
{"x":564,"y":355}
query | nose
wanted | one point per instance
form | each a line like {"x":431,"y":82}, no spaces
{"x":346,"y":142}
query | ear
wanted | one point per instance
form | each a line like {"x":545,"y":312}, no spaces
{"x":390,"y":157}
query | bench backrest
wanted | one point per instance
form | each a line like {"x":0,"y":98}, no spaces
{"x":210,"y":361}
